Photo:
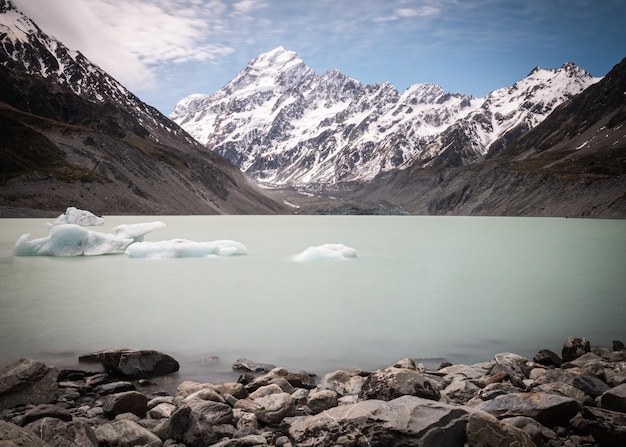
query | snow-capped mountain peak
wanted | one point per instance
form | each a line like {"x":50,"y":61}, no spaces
{"x":285,"y":125}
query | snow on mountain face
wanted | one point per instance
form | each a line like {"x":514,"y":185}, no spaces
{"x":505,"y":114}
{"x":24,"y":47}
{"x":285,"y":125}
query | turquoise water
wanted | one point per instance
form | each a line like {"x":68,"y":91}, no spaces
{"x":459,"y":289}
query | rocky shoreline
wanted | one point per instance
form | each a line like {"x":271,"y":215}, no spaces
{"x":577,"y":398}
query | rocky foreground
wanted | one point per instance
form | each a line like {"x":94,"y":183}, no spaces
{"x":575,"y":399}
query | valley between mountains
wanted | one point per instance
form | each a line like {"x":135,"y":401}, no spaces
{"x":280,"y":138}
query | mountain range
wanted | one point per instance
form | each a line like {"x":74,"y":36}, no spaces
{"x":73,"y":135}
{"x":284,"y":125}
{"x":552,"y":144}
{"x":329,"y":143}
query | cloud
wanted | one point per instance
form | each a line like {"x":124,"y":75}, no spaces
{"x":417,"y":12}
{"x":133,"y":39}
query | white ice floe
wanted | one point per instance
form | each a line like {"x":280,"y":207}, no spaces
{"x":79,"y":217}
{"x":136,"y":232}
{"x":70,"y":240}
{"x":183,"y":248}
{"x":326,"y":252}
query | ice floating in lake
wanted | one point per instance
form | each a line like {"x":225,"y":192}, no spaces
{"x":137,"y":231}
{"x":79,"y":217}
{"x":183,"y":248}
{"x":70,"y":240}
{"x":326,"y":252}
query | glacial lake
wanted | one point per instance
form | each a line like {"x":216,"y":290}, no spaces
{"x":457,"y":289}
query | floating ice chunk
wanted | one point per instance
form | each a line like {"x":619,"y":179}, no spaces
{"x":137,"y":231}
{"x":79,"y":217}
{"x":183,"y":248}
{"x":326,"y":252}
{"x":70,"y":240}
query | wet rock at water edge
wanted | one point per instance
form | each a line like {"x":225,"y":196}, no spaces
{"x":246,"y":365}
{"x":134,"y":364}
{"x":546,"y":357}
{"x":574,"y":347}
{"x":24,"y":381}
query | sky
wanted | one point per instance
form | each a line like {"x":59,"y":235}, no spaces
{"x":165,"y":50}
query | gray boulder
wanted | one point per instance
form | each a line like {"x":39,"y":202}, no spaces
{"x":64,"y":434}
{"x":546,"y":357}
{"x":126,"y":402}
{"x":541,"y":436}
{"x":297,"y":380}
{"x":615,"y":399}
{"x":547,"y":409}
{"x":342,"y":382}
{"x":24,"y":381}
{"x":12,"y":435}
{"x":590,"y":385}
{"x":574,"y":347}
{"x":484,"y":430}
{"x":188,"y":427}
{"x":322,"y":400}
{"x":134,"y":363}
{"x":390,"y":383}
{"x":273,"y":408}
{"x":124,"y":433}
{"x":607,"y":427}
{"x":406,"y":421}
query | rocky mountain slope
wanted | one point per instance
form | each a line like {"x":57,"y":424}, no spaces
{"x":571,"y":164}
{"x":284,"y":125}
{"x":72,"y":135}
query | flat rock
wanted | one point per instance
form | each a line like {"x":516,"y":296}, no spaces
{"x":126,"y":433}
{"x":547,"y":409}
{"x":244,"y":364}
{"x":406,"y":421}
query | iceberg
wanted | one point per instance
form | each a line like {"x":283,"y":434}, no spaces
{"x":136,"y":232}
{"x":79,"y":217}
{"x":70,"y":240}
{"x":326,"y":252}
{"x":183,"y":248}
